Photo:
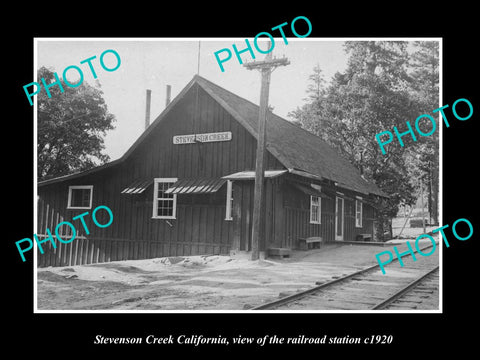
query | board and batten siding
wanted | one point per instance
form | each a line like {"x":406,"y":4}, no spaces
{"x":296,"y":219}
{"x":243,"y":197}
{"x":200,"y":226}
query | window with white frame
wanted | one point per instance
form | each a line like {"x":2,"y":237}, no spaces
{"x":164,"y":205}
{"x":80,"y":197}
{"x":358,"y":213}
{"x":315,"y":209}
{"x":229,"y":203}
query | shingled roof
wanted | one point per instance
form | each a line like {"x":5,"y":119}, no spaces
{"x":296,"y":148}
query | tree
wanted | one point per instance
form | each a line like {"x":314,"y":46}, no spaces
{"x":425,"y":85}
{"x":371,"y":96}
{"x":311,"y":116}
{"x":316,"y":88}
{"x":361,"y":108}
{"x":385,"y":59}
{"x":71,"y":127}
{"x":425,"y":72}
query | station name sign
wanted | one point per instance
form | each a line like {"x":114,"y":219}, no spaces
{"x":210,"y":137}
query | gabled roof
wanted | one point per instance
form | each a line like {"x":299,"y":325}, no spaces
{"x":294,"y":147}
{"x":297,"y":149}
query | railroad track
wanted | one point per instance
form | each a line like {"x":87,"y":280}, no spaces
{"x":369,"y":289}
{"x":421,"y":293}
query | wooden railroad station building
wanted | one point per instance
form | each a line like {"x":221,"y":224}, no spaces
{"x":185,"y":187}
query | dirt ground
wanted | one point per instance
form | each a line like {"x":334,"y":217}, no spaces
{"x":196,"y":282}
{"x":401,"y":225}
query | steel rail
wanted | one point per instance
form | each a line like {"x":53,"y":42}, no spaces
{"x":401,"y":292}
{"x":301,"y":294}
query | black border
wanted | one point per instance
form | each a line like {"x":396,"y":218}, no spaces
{"x":75,"y":333}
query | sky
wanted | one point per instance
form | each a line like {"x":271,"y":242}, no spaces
{"x":155,"y":63}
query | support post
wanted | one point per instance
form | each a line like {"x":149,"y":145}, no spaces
{"x":266,"y":67}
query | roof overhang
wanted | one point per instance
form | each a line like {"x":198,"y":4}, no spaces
{"x":311,"y":190}
{"x":250,"y":175}
{"x":338,"y":184}
{"x":304,"y":174}
{"x":78,"y":174}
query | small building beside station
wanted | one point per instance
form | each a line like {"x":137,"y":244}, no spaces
{"x":185,"y":187}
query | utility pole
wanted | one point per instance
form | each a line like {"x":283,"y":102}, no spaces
{"x":266,"y":67}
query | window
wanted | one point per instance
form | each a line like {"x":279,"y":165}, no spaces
{"x":315,"y":209}
{"x":80,"y":197}
{"x":358,"y":213}
{"x":164,"y":205}
{"x":229,"y":204}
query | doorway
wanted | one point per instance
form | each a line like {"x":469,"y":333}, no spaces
{"x":339,"y":210}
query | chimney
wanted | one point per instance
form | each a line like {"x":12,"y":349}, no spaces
{"x":167,"y":100}
{"x":147,"y":109}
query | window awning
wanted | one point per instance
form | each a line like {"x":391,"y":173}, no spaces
{"x":250,"y":175}
{"x":311,"y":190}
{"x":196,"y":186}
{"x":137,"y":187}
